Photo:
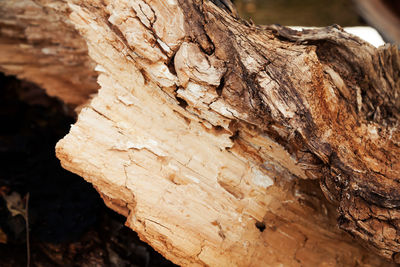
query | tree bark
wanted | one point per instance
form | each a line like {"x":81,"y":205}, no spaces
{"x":215,"y":136}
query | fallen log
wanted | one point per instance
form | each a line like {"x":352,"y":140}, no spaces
{"x":38,"y":43}
{"x":218,"y":139}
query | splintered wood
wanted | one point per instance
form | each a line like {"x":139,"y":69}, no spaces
{"x":214,"y":137}
{"x":38,"y":43}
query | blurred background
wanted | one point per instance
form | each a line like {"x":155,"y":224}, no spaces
{"x":383,"y":15}
{"x":300,"y":12}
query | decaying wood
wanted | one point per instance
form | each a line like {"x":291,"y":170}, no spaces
{"x":38,"y":43}
{"x":214,"y":136}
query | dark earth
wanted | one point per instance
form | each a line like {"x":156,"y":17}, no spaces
{"x":69,"y":224}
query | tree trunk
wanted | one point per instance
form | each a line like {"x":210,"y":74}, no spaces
{"x":214,"y":136}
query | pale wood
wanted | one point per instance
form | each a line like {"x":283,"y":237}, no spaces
{"x":208,"y":129}
{"x":38,"y":43}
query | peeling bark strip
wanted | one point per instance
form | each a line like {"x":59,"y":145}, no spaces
{"x":213,"y":135}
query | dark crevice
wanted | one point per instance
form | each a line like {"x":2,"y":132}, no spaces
{"x":171,"y":64}
{"x":182,"y":102}
{"x":260,"y":226}
{"x":221,"y":86}
{"x":218,"y":128}
{"x":209,"y":50}
{"x":234,"y":136}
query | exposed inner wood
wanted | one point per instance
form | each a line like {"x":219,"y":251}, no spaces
{"x":214,"y":136}
{"x":38,"y":43}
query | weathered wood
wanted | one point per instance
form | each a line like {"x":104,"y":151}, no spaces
{"x":38,"y":43}
{"x":212,"y":135}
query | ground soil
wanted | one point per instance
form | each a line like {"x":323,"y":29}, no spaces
{"x":69,"y":224}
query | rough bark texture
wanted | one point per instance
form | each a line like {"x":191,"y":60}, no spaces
{"x":212,"y":135}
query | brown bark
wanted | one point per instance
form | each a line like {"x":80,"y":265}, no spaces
{"x":211,"y":134}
